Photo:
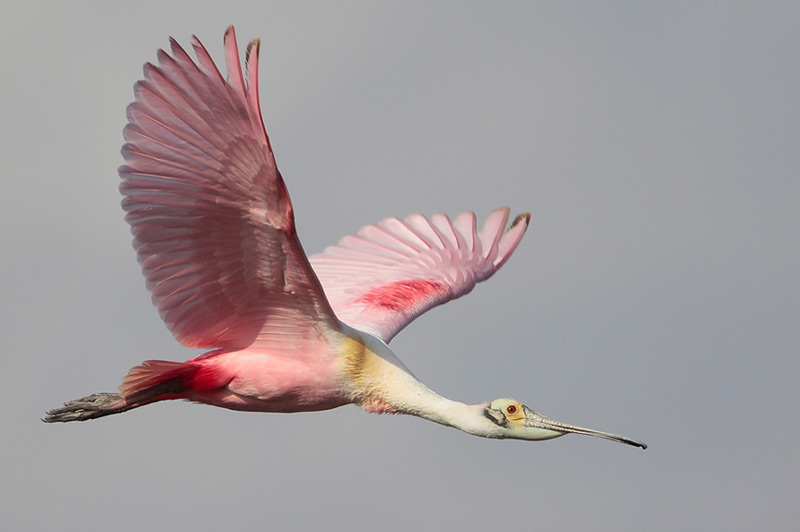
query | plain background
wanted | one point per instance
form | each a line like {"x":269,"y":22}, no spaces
{"x":656,"y":294}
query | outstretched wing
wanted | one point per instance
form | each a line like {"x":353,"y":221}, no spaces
{"x":382,"y":278}
{"x":212,"y":221}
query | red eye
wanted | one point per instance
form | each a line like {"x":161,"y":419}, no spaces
{"x":511,"y":409}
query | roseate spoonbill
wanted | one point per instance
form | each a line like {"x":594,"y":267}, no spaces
{"x":214,"y":232}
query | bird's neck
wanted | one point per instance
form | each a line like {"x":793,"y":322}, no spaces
{"x":379,"y":382}
{"x":464,"y":417}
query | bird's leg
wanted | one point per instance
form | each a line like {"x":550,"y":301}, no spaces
{"x":93,"y":406}
{"x":162,"y":380}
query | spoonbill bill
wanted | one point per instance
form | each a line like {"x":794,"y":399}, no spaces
{"x":214,"y":231}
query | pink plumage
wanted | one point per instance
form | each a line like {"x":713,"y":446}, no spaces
{"x":214,"y":232}
{"x":390,"y":273}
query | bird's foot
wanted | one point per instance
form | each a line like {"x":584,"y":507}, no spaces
{"x":93,"y":406}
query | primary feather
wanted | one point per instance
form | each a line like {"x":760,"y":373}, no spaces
{"x":387,"y":274}
{"x":212,"y":221}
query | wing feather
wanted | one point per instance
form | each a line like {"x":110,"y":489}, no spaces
{"x":212,"y":221}
{"x":425,"y":229}
{"x":390,"y":273}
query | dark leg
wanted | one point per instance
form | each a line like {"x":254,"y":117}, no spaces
{"x":96,"y":405}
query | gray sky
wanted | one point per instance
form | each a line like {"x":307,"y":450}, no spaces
{"x":656,"y":294}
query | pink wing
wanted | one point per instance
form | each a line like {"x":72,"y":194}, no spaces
{"x":388,"y":274}
{"x":212,"y":221}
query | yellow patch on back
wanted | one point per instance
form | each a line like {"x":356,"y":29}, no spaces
{"x":352,"y":357}
{"x":370,"y":376}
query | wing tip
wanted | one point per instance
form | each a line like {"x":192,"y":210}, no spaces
{"x":230,"y":33}
{"x":511,"y":238}
{"x":254,"y":45}
{"x":525,"y":216}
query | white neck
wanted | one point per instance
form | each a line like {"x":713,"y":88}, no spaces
{"x":381,"y":383}
{"x":468,"y":418}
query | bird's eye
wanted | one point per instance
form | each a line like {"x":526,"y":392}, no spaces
{"x":511,"y":409}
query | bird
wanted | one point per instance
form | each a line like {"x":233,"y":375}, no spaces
{"x":213,"y":229}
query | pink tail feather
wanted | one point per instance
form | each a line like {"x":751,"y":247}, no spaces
{"x":156,"y":377}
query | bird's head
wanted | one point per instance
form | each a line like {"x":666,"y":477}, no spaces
{"x":516,"y":421}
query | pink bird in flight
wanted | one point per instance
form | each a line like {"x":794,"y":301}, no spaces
{"x":214,"y":232}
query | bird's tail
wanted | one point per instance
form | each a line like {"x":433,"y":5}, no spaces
{"x":153,"y":380}
{"x":156,"y":377}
